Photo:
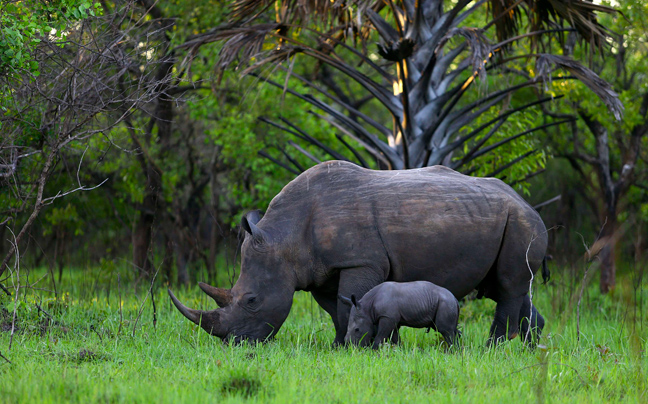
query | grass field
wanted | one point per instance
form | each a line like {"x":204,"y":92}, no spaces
{"x":87,"y":354}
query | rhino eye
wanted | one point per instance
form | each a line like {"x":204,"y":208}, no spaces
{"x":357,"y":330}
{"x":252,"y":300}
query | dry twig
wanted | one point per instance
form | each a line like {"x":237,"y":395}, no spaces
{"x":146,"y":297}
{"x":3,"y":357}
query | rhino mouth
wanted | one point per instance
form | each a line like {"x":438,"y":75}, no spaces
{"x":241,"y":339}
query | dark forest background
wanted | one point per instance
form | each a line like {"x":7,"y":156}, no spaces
{"x":136,"y":133}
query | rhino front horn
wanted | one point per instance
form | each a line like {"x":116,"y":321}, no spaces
{"x":207,"y":320}
{"x":222,"y":297}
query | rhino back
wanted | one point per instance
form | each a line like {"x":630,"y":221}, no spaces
{"x":429,"y":224}
{"x":413,"y":304}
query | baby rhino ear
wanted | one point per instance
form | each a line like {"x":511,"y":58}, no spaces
{"x":345,"y":300}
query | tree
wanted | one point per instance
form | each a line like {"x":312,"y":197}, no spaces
{"x":423,"y":83}
{"x":176,"y":156}
{"x":609,"y":156}
{"x":67,"y":92}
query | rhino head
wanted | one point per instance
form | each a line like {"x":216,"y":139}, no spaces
{"x":258,"y":304}
{"x":361,"y":329}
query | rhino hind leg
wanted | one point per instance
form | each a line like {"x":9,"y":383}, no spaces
{"x":523,"y":248}
{"x":530,"y":331}
{"x":506,"y":323}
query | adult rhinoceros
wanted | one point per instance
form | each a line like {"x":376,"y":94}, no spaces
{"x":339,"y":229}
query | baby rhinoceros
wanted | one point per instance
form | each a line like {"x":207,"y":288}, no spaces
{"x":386,"y":307}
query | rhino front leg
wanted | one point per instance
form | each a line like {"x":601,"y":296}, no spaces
{"x":328,"y":301}
{"x":386,"y":329}
{"x":355,"y":281}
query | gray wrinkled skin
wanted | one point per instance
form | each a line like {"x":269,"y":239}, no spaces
{"x":341,"y":229}
{"x":390,"y":305}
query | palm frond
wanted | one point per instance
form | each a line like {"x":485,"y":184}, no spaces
{"x":242,"y":43}
{"x":478,"y":43}
{"x":511,"y":163}
{"x":506,"y":17}
{"x":580,"y":14}
{"x":600,"y":87}
{"x":265,"y":154}
{"x":301,"y":11}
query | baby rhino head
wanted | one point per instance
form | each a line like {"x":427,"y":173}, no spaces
{"x":361,"y":329}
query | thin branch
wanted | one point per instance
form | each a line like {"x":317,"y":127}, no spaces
{"x":17,"y":271}
{"x":49,"y":200}
{"x":516,"y":160}
{"x":145,"y":297}
{"x":547,"y":202}
{"x":5,"y":358}
{"x":265,"y":154}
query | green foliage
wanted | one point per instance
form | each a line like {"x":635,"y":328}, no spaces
{"x":64,"y":218}
{"x":24,"y":23}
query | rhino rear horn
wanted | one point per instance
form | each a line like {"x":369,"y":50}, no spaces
{"x":222,"y":297}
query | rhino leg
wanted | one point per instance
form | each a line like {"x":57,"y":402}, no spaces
{"x":355,"y":281}
{"x":530,"y":336}
{"x":395,"y":337}
{"x":386,"y":329}
{"x":523,"y":248}
{"x":506,"y":322}
{"x":328,"y":301}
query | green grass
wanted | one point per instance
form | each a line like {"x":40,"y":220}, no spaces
{"x":88,"y":357}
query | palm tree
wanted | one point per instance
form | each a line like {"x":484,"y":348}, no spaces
{"x":432,"y":120}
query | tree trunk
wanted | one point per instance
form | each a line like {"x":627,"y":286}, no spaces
{"x":142,"y":238}
{"x":142,"y":235}
{"x":167,"y":265}
{"x":607,"y":253}
{"x":2,"y":239}
{"x":182,"y":248}
{"x":214,"y":230}
{"x":183,"y":256}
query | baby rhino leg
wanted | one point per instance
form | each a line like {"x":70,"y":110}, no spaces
{"x":446,"y":320}
{"x":386,"y":327}
{"x":395,"y":338}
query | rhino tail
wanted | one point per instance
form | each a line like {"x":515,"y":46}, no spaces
{"x":545,"y":271}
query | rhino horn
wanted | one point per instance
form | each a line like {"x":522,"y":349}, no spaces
{"x":207,"y":320}
{"x":223,"y":297}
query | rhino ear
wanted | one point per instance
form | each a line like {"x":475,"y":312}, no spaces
{"x":354,"y":301}
{"x":248,"y":223}
{"x":345,"y":300}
